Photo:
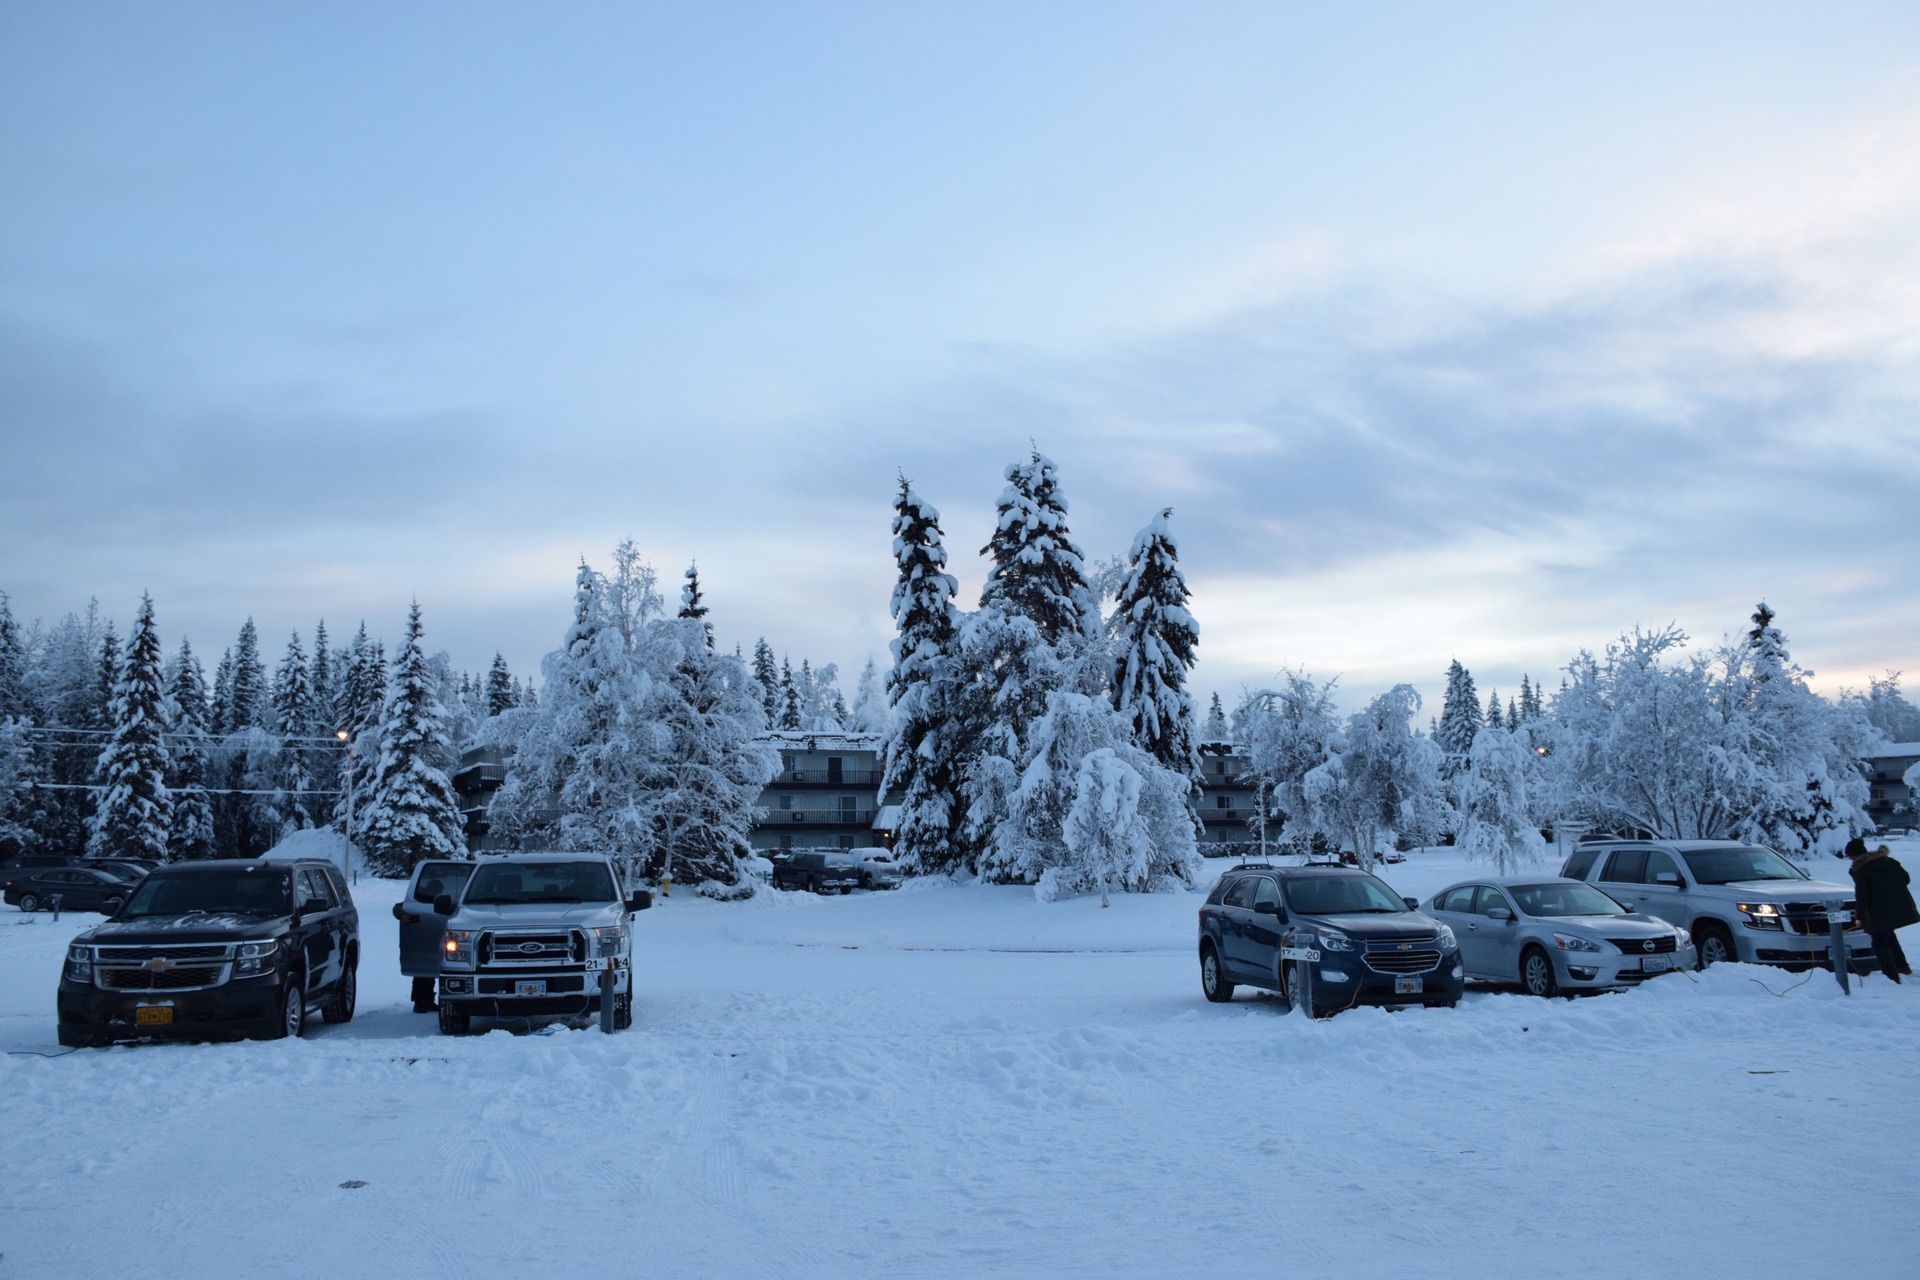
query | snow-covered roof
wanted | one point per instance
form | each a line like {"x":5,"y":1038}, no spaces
{"x":1892,"y":749}
{"x":835,"y":741}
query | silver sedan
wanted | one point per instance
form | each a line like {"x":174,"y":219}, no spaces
{"x":1552,"y":935}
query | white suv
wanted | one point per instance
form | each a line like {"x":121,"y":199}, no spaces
{"x":1739,"y":901}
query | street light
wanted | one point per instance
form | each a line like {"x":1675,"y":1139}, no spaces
{"x":346,"y":740}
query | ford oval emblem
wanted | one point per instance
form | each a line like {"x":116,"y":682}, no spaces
{"x":531,"y":948}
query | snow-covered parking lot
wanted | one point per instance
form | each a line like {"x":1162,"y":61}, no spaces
{"x":954,"y":1081}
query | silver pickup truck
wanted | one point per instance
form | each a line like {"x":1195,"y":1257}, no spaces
{"x":537,"y":935}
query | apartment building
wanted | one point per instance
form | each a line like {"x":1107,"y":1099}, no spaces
{"x":826,"y":794}
{"x":1890,"y":803}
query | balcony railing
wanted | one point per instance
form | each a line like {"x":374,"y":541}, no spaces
{"x":835,"y":816}
{"x":826,"y":777}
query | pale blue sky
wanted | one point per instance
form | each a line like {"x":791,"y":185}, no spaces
{"x":1482,"y":331}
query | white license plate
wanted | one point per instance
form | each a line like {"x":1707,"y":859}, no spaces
{"x":536,"y":987}
{"x":1408,"y":986}
{"x":1656,"y":964}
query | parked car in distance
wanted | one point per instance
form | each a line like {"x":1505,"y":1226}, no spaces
{"x":1552,"y":935}
{"x":77,"y":888}
{"x":818,"y":872}
{"x":20,"y":862}
{"x":422,"y":928}
{"x":1365,"y":945}
{"x":224,"y":947}
{"x":878,"y":868}
{"x":127,"y":868}
{"x":1736,"y":901}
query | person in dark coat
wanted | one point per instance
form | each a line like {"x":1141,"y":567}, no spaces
{"x":1884,"y":902}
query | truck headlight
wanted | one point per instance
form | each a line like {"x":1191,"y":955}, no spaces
{"x":456,"y":947}
{"x":251,"y":959}
{"x":1574,"y":942}
{"x":1761,"y":915}
{"x":80,"y":963}
{"x":608,"y":941}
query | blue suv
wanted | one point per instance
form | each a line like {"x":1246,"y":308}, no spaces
{"x":1358,"y":942}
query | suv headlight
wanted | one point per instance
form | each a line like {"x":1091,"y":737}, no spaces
{"x":1447,"y":941}
{"x":607,"y":941}
{"x":251,"y":959}
{"x":80,"y":963}
{"x":457,"y":948}
{"x":1762,"y":915}
{"x":1574,"y":942}
{"x":1333,"y":940}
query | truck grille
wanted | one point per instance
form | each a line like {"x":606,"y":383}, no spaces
{"x":532,"y":949}
{"x":1417,"y":959}
{"x":162,"y":967}
{"x":1639,"y":947}
{"x":1811,"y":917}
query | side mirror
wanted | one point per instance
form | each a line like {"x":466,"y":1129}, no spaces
{"x":639,"y":900}
{"x":403,"y":915}
{"x":1500,"y":913}
{"x":1413,"y":904}
{"x":443,"y":905}
{"x":1666,"y":877}
{"x":1266,"y":908}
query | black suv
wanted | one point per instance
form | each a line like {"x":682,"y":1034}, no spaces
{"x":1359,"y":943}
{"x":818,"y":872}
{"x":218,"y":948}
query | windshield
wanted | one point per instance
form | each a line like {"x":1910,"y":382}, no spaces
{"x":236,"y":892}
{"x":1564,"y":900}
{"x":1341,"y":895}
{"x":505,"y":883}
{"x":1749,"y":862}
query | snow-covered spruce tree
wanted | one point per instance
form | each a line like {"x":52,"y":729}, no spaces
{"x":413,"y":814}
{"x":190,"y":835}
{"x":709,"y":771}
{"x":361,"y":707}
{"x":870,"y":711}
{"x":1154,"y":638}
{"x":920,"y":754}
{"x":1460,"y":719}
{"x":1214,"y":728}
{"x":293,"y":716}
{"x":1383,"y":778}
{"x":13,"y":666}
{"x":789,"y":699}
{"x":1105,"y":837}
{"x":1010,"y":676}
{"x":500,"y":695}
{"x":1496,"y":823}
{"x":766,"y":674}
{"x":250,"y":702}
{"x":17,"y":771}
{"x":1038,"y":572}
{"x":62,"y":689}
{"x":693,"y":605}
{"x":107,"y":676}
{"x":1495,"y":718}
{"x":135,"y":810}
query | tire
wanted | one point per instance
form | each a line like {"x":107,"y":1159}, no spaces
{"x":866,"y":882}
{"x":423,"y":995}
{"x":1214,"y":983}
{"x":845,"y":889}
{"x":622,"y":1012}
{"x":453,"y":1023}
{"x":339,"y":1006}
{"x":29,"y":902}
{"x":293,"y":1008}
{"x":1293,"y":985}
{"x":1536,"y":973}
{"x":1715,"y":945}
{"x":814,"y":886}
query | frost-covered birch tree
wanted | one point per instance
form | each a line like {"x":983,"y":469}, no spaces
{"x":1381,"y":779}
{"x":1496,"y":824}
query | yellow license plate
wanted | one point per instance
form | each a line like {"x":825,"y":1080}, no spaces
{"x":157,"y":1017}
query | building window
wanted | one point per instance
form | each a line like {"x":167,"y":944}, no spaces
{"x":789,"y":762}
{"x":786,"y":802}
{"x":1221,"y":802}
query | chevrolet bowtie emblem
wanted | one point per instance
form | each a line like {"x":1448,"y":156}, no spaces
{"x":158,"y":965}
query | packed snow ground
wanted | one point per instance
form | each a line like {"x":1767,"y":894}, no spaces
{"x":955,"y":1080}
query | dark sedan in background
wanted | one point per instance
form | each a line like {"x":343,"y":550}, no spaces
{"x":78,"y":889}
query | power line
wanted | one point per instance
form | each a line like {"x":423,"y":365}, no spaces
{"x":181,"y":791}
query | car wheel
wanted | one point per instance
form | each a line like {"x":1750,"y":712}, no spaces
{"x":845,"y":889}
{"x":1716,"y":946}
{"x":1536,"y":973}
{"x":293,"y":1008}
{"x":1213,"y":979}
{"x":1293,"y":985}
{"x":866,"y":882}
{"x":454,"y":1024}
{"x":346,"y":991}
{"x":29,"y":902}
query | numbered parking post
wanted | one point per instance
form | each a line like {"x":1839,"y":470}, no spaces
{"x":1837,"y":948}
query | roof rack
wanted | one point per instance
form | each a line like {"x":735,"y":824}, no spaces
{"x":1254,"y":866}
